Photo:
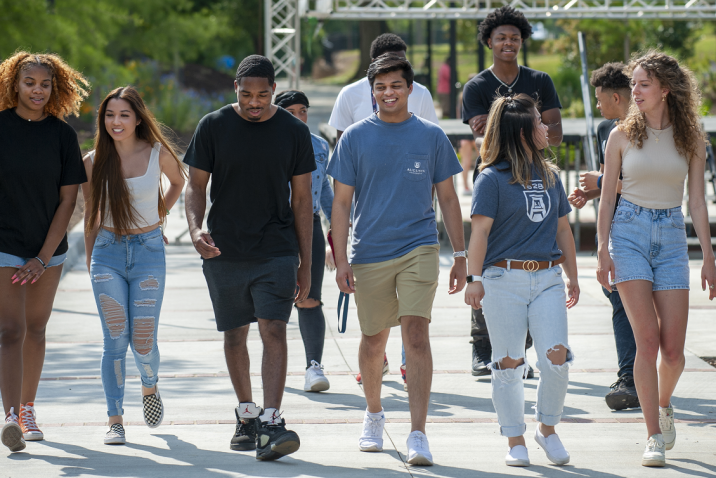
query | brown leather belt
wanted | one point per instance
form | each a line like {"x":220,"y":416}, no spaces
{"x":530,"y":266}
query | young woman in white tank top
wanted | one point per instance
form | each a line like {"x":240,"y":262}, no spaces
{"x":643,"y":252}
{"x":124,"y":207}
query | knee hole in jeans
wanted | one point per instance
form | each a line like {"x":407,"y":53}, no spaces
{"x":143,"y":334}
{"x":309,"y":303}
{"x":507,"y":362}
{"x":114,"y":316}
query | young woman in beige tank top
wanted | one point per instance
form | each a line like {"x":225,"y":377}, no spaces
{"x":124,"y":207}
{"x":643,"y":252}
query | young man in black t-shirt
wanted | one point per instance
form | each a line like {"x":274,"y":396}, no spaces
{"x":613,"y":92}
{"x":252,"y":150}
{"x":503,"y":32}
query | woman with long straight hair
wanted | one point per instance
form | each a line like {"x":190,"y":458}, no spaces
{"x":643,"y":252}
{"x":520,"y":236}
{"x":40,"y":172}
{"x":125,"y":206}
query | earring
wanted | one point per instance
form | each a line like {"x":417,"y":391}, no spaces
{"x":663,"y":98}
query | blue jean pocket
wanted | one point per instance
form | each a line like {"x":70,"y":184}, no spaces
{"x":493,"y":273}
{"x":624,"y":215}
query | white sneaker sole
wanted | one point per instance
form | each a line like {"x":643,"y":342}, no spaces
{"x":517,"y":462}
{"x":649,"y":461}
{"x":12,"y":437}
{"x":420,"y":460}
{"x":115,"y":441}
{"x":318,"y":386}
{"x":34,"y":436}
{"x":370,"y":448}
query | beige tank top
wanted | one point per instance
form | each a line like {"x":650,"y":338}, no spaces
{"x":653,"y":176}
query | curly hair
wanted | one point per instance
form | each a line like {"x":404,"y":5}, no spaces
{"x":69,"y":87}
{"x":683,"y":99}
{"x":611,"y":76}
{"x":504,"y":16}
{"x":386,"y":43}
{"x":256,"y":66}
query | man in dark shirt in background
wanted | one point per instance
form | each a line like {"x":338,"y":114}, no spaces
{"x":613,"y":92}
{"x":256,"y":235}
{"x":503,"y":32}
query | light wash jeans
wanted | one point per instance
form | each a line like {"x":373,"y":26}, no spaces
{"x":128,"y":275}
{"x":515,"y":301}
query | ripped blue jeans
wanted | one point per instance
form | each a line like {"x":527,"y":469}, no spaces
{"x":515,"y":301}
{"x":128,"y":275}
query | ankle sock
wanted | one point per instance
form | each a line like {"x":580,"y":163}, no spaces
{"x":380,"y":414}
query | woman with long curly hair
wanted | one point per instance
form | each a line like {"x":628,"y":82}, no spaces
{"x":643,"y":252}
{"x":124,"y":245}
{"x":40,"y":173}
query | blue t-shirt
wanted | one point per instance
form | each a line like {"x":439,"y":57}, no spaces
{"x":393,"y":167}
{"x":525,"y":219}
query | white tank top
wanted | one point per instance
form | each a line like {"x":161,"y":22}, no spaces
{"x":143,"y":193}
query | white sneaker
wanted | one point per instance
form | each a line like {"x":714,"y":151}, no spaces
{"x":11,"y":434}
{"x":553,"y":447}
{"x":666,"y":423}
{"x":315,"y":380}
{"x":419,"y":449}
{"x":372,"y":437}
{"x":654,"y":454}
{"x":517,"y":456}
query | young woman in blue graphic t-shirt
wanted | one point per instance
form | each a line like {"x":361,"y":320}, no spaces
{"x":520,"y":236}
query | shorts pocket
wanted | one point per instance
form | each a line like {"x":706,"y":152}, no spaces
{"x":493,"y":273}
{"x":415,"y":167}
{"x":677,"y":220}
{"x":557,"y":270}
{"x":624,"y":216}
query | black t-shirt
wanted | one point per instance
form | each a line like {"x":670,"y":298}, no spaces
{"x":603,"y":131}
{"x":37,"y":158}
{"x":481,"y":91}
{"x":251,"y":165}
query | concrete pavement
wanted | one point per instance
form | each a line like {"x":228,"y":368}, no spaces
{"x":462,"y":429}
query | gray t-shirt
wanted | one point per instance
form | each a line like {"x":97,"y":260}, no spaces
{"x":393,"y":167}
{"x":525,"y":219}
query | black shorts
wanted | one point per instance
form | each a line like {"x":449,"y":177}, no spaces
{"x":241,"y":292}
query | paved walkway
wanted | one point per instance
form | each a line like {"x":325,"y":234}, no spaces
{"x":462,"y":429}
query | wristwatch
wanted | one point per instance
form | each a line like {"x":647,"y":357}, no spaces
{"x":460,"y":254}
{"x":471,"y":279}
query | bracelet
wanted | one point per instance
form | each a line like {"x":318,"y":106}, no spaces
{"x":599,"y":181}
{"x":41,"y":262}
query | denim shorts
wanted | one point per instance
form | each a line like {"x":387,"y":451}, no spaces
{"x":650,"y":244}
{"x":8,"y":260}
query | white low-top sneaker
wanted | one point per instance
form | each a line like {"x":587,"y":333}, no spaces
{"x":553,"y":447}
{"x":316,"y":381}
{"x":419,"y":449}
{"x":517,"y":456}
{"x":666,"y":423}
{"x":372,"y":437}
{"x":655,"y":453}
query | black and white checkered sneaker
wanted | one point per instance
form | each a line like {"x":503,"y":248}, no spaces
{"x":153,"y":409}
{"x":115,"y":435}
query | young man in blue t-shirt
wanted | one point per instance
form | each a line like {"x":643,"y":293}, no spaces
{"x":613,"y":91}
{"x":391,"y":160}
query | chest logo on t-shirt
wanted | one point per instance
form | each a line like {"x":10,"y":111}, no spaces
{"x":537,"y":201}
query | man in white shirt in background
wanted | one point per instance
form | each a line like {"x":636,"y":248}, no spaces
{"x":355,"y":101}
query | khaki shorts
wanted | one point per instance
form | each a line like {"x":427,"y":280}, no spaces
{"x":389,"y":290}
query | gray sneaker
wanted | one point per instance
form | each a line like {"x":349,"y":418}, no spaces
{"x":666,"y":423}
{"x":654,"y":454}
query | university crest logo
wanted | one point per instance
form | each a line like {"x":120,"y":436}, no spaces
{"x":537,"y":201}
{"x":417,"y":165}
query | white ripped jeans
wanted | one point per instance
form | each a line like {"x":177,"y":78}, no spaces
{"x":515,"y":301}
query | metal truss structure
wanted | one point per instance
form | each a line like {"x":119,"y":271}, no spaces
{"x":282,"y":18}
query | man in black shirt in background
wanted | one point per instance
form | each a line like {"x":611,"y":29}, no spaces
{"x":613,"y":92}
{"x":252,"y":150}
{"x":503,"y":32}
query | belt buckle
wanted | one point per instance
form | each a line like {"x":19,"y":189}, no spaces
{"x":530,"y":266}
